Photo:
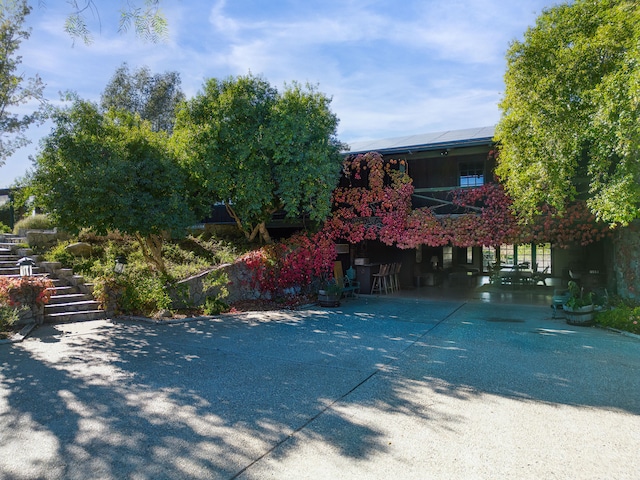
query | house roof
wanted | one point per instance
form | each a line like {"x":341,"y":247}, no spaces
{"x":469,"y":137}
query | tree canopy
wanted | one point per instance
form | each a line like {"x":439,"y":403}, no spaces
{"x":260,"y":151}
{"x":111,"y":172}
{"x":145,"y":19}
{"x":15,"y":89}
{"x":154,"y":97}
{"x":570,"y":125}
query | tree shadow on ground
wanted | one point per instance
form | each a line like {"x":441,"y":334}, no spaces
{"x":206,"y":399}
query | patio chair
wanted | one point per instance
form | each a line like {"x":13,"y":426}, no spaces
{"x":381,"y":280}
{"x":396,"y":276}
{"x":538,"y":277}
{"x":351,"y":288}
{"x":560,"y":297}
{"x":392,"y":277}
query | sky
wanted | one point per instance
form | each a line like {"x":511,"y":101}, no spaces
{"x":392,"y":67}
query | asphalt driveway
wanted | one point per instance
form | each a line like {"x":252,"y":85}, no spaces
{"x":378,"y":388}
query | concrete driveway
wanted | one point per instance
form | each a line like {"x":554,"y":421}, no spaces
{"x":379,"y":388}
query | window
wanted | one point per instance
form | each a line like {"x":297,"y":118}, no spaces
{"x":525,"y":255}
{"x":507,"y":255}
{"x":531,"y":254}
{"x":447,"y":257}
{"x":471,"y":174}
{"x":488,"y":257}
{"x":543,"y":256}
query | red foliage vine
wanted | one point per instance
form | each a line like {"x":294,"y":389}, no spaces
{"x":290,"y":267}
{"x":374,"y":203}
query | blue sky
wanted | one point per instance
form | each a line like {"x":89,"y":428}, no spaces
{"x":392,"y":67}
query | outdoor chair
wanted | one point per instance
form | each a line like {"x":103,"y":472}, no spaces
{"x":560,"y":297}
{"x":396,"y":276}
{"x":351,"y":288}
{"x":391,"y":277}
{"x":381,"y":280}
{"x":538,"y":277}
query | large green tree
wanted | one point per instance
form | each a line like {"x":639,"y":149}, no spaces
{"x":260,"y":151}
{"x":154,"y":97}
{"x":570,"y":125}
{"x":112,"y":172}
{"x":15,"y":89}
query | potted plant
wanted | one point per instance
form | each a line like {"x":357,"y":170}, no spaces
{"x":579,"y":308}
{"x":329,"y":294}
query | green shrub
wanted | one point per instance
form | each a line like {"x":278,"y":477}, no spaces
{"x":622,"y":317}
{"x":33,"y":222}
{"x":90,"y":267}
{"x":214,"y":306}
{"x":4,"y":228}
{"x":132,"y":293}
{"x":58,"y":253}
{"x":8,"y":316}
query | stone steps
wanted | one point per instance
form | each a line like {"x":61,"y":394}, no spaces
{"x":63,"y":290}
{"x":62,"y":298}
{"x":73,"y":306}
{"x":13,"y":270}
{"x":10,"y":238}
{"x":8,"y":259}
{"x":69,"y":317}
{"x":71,"y":299}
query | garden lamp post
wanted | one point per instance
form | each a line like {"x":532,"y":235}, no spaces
{"x":121,"y":261}
{"x":26,"y":266}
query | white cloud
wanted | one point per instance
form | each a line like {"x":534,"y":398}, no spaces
{"x":393,"y":68}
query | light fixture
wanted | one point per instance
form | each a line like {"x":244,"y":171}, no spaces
{"x":444,"y":152}
{"x":121,"y":261}
{"x":26,"y":266}
{"x":434,"y":262}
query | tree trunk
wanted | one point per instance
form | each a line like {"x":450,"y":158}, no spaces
{"x":152,"y":251}
{"x":251,"y":235}
{"x":232,"y":213}
{"x":264,"y":233}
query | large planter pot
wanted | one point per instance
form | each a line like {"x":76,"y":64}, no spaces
{"x":580,"y":315}
{"x":328,"y":299}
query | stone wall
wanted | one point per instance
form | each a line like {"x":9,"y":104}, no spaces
{"x":228,"y":283}
{"x":44,"y":238}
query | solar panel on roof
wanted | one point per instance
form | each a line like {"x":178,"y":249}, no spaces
{"x":426,"y":141}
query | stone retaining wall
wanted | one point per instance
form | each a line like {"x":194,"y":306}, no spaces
{"x":227,"y":283}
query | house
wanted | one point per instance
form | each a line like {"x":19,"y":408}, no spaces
{"x":439,"y":163}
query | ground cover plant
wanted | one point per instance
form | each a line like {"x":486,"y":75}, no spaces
{"x":624,"y":315}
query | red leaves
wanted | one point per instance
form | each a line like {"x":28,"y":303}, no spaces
{"x":374,"y":203}
{"x":18,"y":291}
{"x":292,"y":265}
{"x":380,"y":209}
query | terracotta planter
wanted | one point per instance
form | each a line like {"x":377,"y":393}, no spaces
{"x":580,"y":315}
